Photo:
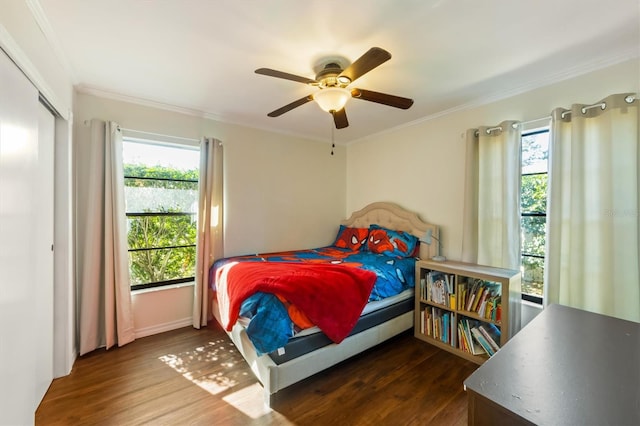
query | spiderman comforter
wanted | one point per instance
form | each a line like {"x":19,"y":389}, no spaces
{"x":282,"y":293}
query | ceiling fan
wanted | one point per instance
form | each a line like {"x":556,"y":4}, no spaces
{"x":333,"y":81}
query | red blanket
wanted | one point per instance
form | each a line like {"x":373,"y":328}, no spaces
{"x":331,"y":296}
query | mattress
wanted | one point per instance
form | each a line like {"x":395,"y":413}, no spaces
{"x":271,"y":329}
{"x":374,"y":313}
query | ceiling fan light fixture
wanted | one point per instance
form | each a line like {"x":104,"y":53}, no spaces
{"x":332,"y":98}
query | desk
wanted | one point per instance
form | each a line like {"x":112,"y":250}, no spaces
{"x":566,"y":367}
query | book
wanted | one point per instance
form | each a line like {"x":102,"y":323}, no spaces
{"x":476,"y":348}
{"x":482,"y":291}
{"x":462,"y":340}
{"x":453,"y":329}
{"x":482,"y":341}
{"x":490,"y":339}
{"x":445,"y":328}
{"x":438,"y":291}
{"x":460,"y":296}
{"x":482,"y":305}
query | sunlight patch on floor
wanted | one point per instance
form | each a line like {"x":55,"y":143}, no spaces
{"x":190,"y":364}
{"x":249,"y":400}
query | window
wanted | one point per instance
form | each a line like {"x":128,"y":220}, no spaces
{"x":161,"y":196}
{"x":533,"y":220}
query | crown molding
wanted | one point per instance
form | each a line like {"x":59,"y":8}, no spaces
{"x":573,"y":72}
{"x":43,"y":22}
{"x":101,"y":93}
{"x":22,"y":61}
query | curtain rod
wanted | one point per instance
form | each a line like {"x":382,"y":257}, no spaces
{"x":602,"y":105}
{"x":515,"y":125}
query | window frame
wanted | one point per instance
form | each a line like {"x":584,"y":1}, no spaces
{"x":163,"y":283}
{"x":524,"y":214}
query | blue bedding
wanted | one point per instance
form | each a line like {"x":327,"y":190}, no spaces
{"x":270,"y":325}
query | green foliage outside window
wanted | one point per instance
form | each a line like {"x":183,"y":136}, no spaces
{"x":534,"y":190}
{"x":162,"y":235}
{"x":534,"y":208}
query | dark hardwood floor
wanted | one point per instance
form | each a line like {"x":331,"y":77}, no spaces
{"x":196,"y":377}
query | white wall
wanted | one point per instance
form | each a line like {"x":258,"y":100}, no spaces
{"x":421,"y":166}
{"x":281,"y":192}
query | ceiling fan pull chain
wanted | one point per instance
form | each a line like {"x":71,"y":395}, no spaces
{"x":333,"y":144}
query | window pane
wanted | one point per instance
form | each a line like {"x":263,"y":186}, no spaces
{"x":143,"y":195}
{"x":535,"y":152}
{"x":161,"y":178}
{"x":160,"y":156}
{"x":532,"y":275}
{"x":534,"y":193}
{"x":150,"y":266}
{"x":160,"y":231}
{"x":533,"y":235}
{"x":533,"y":203}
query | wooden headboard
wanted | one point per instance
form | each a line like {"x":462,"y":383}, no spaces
{"x":394,"y":217}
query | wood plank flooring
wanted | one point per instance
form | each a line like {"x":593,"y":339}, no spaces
{"x":196,"y":377}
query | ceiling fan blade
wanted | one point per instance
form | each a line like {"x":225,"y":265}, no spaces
{"x":290,"y":106}
{"x":340,"y":119}
{"x":285,"y":75}
{"x":365,"y":63}
{"x":382,"y":98}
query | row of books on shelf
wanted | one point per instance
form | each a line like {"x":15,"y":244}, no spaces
{"x":478,"y":296}
{"x":438,"y":287}
{"x":468,"y":335}
{"x":478,"y":338}
{"x":481,"y":297}
{"x":439,"y":324}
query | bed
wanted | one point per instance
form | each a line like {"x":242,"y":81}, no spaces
{"x":385,"y":311}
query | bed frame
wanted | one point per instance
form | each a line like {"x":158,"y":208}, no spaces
{"x":276,"y":377}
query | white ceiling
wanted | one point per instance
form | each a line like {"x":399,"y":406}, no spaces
{"x":200,"y":55}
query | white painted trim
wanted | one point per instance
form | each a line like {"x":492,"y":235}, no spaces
{"x":41,"y":19}
{"x":161,"y":328}
{"x":543,"y":82}
{"x":576,"y":71}
{"x":65,"y":350}
{"x":17,"y":55}
{"x":102,"y":93}
{"x":94,"y":91}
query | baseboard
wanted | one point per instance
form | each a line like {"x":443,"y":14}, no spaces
{"x":161,"y":328}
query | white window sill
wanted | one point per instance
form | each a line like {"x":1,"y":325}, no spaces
{"x":164,"y":287}
{"x":532,"y":304}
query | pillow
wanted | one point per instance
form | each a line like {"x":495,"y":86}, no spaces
{"x":351,"y":238}
{"x":391,"y":243}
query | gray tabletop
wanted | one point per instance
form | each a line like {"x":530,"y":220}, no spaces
{"x":567,"y":367}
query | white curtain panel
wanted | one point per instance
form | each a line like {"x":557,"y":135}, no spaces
{"x":593,"y":211}
{"x":491,"y":224}
{"x":470,"y":210}
{"x":209,"y":242}
{"x":104,"y":294}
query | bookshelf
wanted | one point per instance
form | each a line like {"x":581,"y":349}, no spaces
{"x":460,"y":307}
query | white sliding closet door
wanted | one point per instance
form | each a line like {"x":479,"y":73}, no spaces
{"x":21,"y":249}
{"x":43,"y":252}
